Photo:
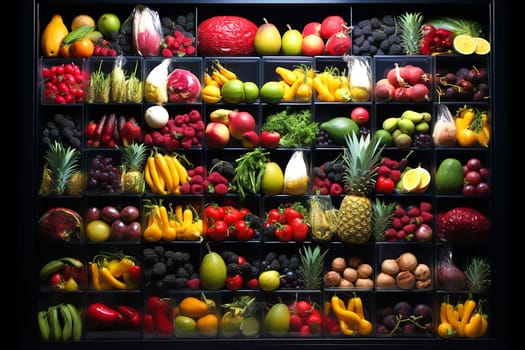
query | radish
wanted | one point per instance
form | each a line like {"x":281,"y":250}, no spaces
{"x":331,"y":25}
{"x":338,"y":44}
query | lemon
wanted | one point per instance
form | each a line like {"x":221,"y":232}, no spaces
{"x":211,"y":94}
{"x":359,"y":94}
{"x":273,"y":179}
{"x":482,"y":46}
{"x":411,"y":180}
{"x":250,"y":327}
{"x":464,"y":44}
{"x":425,"y":179}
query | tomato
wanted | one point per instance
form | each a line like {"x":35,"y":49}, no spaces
{"x":292,"y":213}
{"x":466,"y":137}
{"x":385,"y":185}
{"x":274,"y":215}
{"x":270,"y":139}
{"x":231,"y":217}
{"x":284,"y":233}
{"x":219,"y":231}
{"x":234,"y":282}
{"x":360,"y":115}
{"x":82,"y":48}
{"x":300,"y":230}
{"x":214,"y":212}
{"x":243,"y":232}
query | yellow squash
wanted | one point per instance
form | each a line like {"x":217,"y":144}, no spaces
{"x":52,"y":36}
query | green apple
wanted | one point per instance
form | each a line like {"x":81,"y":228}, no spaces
{"x":291,"y":42}
{"x":108,"y":24}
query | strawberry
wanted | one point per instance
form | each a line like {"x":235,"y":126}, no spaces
{"x":413,"y":212}
{"x":338,"y":44}
{"x":401,"y":235}
{"x":315,"y":321}
{"x":426,"y":217}
{"x":410,"y":228}
{"x":384,"y":170}
{"x":425,"y":206}
{"x":396,"y":223}
{"x":390,"y":233}
{"x":399,"y":212}
{"x":405,"y":220}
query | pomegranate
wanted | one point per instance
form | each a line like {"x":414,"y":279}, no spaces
{"x":331,"y":25}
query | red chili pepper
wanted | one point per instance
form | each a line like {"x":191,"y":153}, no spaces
{"x":149,"y":326}
{"x":152,"y":304}
{"x":102,"y":316}
{"x":161,"y":317}
{"x":135,"y":272}
{"x":131,"y":317}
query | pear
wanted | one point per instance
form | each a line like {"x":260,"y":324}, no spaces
{"x":291,"y":42}
{"x":267,"y":40}
{"x":277,"y":320}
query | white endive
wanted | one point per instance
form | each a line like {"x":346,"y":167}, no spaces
{"x":296,"y":177}
{"x":359,"y":78}
{"x":155,"y":86}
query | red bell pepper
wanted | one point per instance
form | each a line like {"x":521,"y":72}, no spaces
{"x":131,"y":317}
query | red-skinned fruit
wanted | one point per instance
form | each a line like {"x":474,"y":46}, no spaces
{"x":130,"y":132}
{"x":270,"y":139}
{"x":148,"y":324}
{"x":385,"y":185}
{"x":162,"y":320}
{"x":252,"y":283}
{"x":338,"y":44}
{"x":250,"y":139}
{"x":283,"y":233}
{"x":315,"y":322}
{"x":234,"y":282}
{"x":296,"y":322}
{"x":360,"y":115}
{"x":300,"y":230}
{"x":331,"y":25}
{"x":303,"y":308}
{"x":102,"y":316}
{"x":131,"y":316}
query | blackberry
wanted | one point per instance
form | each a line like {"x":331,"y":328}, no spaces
{"x":181,"y":272}
{"x":388,"y":20}
{"x":189,"y":267}
{"x":180,"y":282}
{"x":339,"y":167}
{"x":253,"y":220}
{"x":166,"y":22}
{"x":169,"y":280}
{"x":379,"y":36}
{"x":364,"y":23}
{"x":395,"y":50}
{"x":246,"y":269}
{"x":270,"y":256}
{"x":149,"y":256}
{"x":384,"y":45}
{"x":375,"y":23}
{"x":159,"y":250}
{"x":232,"y":269}
{"x":372,"y":49}
{"x":328,"y":166}
{"x":275,"y":265}
{"x":319,"y":172}
{"x":255,"y":271}
{"x":356,"y":32}
{"x":158,"y":271}
{"x":170,"y":264}
{"x":367,"y":30}
{"x":389,"y":30}
{"x":294,"y":262}
{"x":365,"y":47}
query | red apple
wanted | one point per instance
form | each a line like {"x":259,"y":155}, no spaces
{"x":360,"y":115}
{"x":239,"y":123}
{"x":312,"y":45}
{"x":250,"y":139}
{"x":216,"y":135}
{"x":311,"y":28}
{"x":384,"y":91}
{"x":270,"y":139}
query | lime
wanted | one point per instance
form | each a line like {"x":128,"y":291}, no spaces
{"x":464,"y":44}
{"x":184,"y":326}
{"x":411,"y":180}
{"x":251,"y":91}
{"x":233,"y":91}
{"x":384,"y":136}
{"x":231,"y":324}
{"x":272,"y":92}
{"x":250,"y":327}
{"x":482,"y":46}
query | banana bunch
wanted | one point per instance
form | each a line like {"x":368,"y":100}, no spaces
{"x":213,"y":82}
{"x":165,"y":174}
{"x":60,"y":322}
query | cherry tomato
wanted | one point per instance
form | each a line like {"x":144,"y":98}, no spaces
{"x":385,"y":185}
{"x":284,"y":233}
{"x":274,"y":215}
{"x":299,"y":230}
{"x":292,"y":213}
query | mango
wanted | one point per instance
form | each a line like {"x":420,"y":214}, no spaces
{"x":449,"y":176}
{"x":212,"y":271}
{"x":338,"y":127}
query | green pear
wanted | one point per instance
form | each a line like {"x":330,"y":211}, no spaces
{"x":277,"y":320}
{"x":292,"y":41}
{"x":267,"y":40}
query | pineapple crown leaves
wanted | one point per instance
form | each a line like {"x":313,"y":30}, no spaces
{"x":477,"y":271}
{"x":135,"y":155}
{"x":63,"y":163}
{"x":410,"y":32}
{"x":361,"y":156}
{"x":311,"y":265}
{"x":382,"y":217}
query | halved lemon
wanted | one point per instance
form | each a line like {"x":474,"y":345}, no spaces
{"x":482,"y":46}
{"x":425,"y":180}
{"x":464,"y":44}
{"x":411,"y":180}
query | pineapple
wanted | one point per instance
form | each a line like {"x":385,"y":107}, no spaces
{"x":133,"y":164}
{"x":383,"y":213}
{"x":311,"y":266}
{"x":61,"y":164}
{"x":361,"y":158}
{"x":410,"y":32}
{"x":477,"y":272}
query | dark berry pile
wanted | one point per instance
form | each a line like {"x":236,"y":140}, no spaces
{"x":164,"y":268}
{"x":288,"y":267}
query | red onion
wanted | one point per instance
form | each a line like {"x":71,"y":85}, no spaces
{"x":449,"y":276}
{"x":423,"y":233}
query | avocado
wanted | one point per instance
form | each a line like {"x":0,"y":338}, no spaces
{"x":449,"y":176}
{"x":338,"y":127}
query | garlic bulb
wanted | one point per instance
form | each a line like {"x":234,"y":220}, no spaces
{"x":296,"y":175}
{"x":155,"y":86}
{"x":359,"y":78}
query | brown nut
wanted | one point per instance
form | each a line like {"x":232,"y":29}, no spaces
{"x":405,"y":280}
{"x":423,"y":284}
{"x":422,"y":272}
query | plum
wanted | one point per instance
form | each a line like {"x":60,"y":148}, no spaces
{"x":390,"y":321}
{"x":403,"y":309}
{"x":424,"y":311}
